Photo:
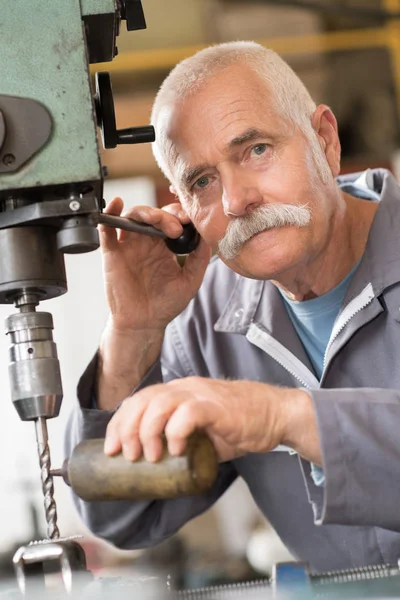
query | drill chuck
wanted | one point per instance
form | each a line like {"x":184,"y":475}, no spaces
{"x":34,"y":369}
{"x":95,"y":476}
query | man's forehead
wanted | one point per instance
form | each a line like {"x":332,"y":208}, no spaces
{"x":215,"y":117}
{"x":236,"y":88}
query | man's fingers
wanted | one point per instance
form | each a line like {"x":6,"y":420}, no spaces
{"x":177,"y":210}
{"x":138,"y":425}
{"x":196,"y":262}
{"x":108,"y":235}
{"x":122,"y":432}
{"x":153,"y":449}
{"x":112,"y":444}
{"x":189,"y":416}
{"x":115,"y":207}
{"x":132,"y":448}
{"x":154,"y":420}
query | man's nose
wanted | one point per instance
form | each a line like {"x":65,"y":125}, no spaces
{"x":240,"y":195}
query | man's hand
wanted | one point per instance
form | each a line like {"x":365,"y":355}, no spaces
{"x":146,"y":288}
{"x":238,"y":416}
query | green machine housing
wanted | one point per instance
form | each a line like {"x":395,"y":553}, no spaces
{"x":48,"y":138}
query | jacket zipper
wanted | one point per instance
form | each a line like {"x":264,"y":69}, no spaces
{"x":351,"y":310}
{"x":263,"y":340}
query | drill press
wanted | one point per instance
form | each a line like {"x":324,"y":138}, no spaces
{"x":51,"y":182}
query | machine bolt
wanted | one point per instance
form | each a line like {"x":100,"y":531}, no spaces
{"x":74,"y":205}
{"x":8,"y":159}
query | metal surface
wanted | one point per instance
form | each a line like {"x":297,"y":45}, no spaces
{"x":29,"y":258}
{"x":96,"y":7}
{"x":47,"y":479}
{"x":136,"y":135}
{"x":50,"y":212}
{"x":94,"y":476}
{"x":57,"y":213}
{"x":33,"y":559}
{"x":102,"y":23}
{"x":54,"y":72}
{"x":292,"y":581}
{"x":134,"y":15}
{"x":257,"y":590}
{"x":28,"y":125}
{"x":34,"y":370}
{"x":78,"y":235}
{"x":105,"y":114}
{"x":383,"y":571}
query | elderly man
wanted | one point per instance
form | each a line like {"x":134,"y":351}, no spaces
{"x":283,"y":347}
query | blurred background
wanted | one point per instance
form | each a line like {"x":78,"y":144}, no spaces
{"x":347,"y":52}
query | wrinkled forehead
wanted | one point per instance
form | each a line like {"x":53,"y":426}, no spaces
{"x":229,"y":104}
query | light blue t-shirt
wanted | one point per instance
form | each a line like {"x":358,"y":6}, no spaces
{"x":313,"y":321}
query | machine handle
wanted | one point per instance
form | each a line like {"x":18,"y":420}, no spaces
{"x":184,"y":244}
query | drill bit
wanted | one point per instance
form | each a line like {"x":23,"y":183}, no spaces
{"x":47,"y":479}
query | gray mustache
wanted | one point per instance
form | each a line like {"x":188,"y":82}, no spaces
{"x":242,"y":229}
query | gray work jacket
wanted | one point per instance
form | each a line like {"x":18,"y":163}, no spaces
{"x":238,"y":328}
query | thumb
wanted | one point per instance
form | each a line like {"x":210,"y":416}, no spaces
{"x":108,"y":235}
{"x":196,"y":262}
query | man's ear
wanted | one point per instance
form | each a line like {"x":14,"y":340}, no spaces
{"x":173,"y":190}
{"x":325,"y":125}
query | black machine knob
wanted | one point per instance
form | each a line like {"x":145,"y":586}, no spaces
{"x":105,"y":113}
{"x":185,"y":243}
{"x":132,"y":12}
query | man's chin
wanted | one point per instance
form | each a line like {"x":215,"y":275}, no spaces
{"x":261,"y":257}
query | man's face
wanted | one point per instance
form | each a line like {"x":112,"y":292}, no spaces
{"x":236,"y":154}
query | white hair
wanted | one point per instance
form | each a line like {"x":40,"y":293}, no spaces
{"x":290,"y":96}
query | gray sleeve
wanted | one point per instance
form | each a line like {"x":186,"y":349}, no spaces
{"x":360,"y":442}
{"x":130,"y":524}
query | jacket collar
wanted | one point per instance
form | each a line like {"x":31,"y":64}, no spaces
{"x":380,"y":264}
{"x":241,"y":306}
{"x":260,"y":301}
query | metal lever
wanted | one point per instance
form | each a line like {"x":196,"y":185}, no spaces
{"x":184,"y":244}
{"x":105,"y":114}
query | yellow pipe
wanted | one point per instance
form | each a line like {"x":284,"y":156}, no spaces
{"x":393,"y":34}
{"x":166,"y":58}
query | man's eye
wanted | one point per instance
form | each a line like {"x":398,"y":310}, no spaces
{"x":202,"y":182}
{"x":259,"y":149}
